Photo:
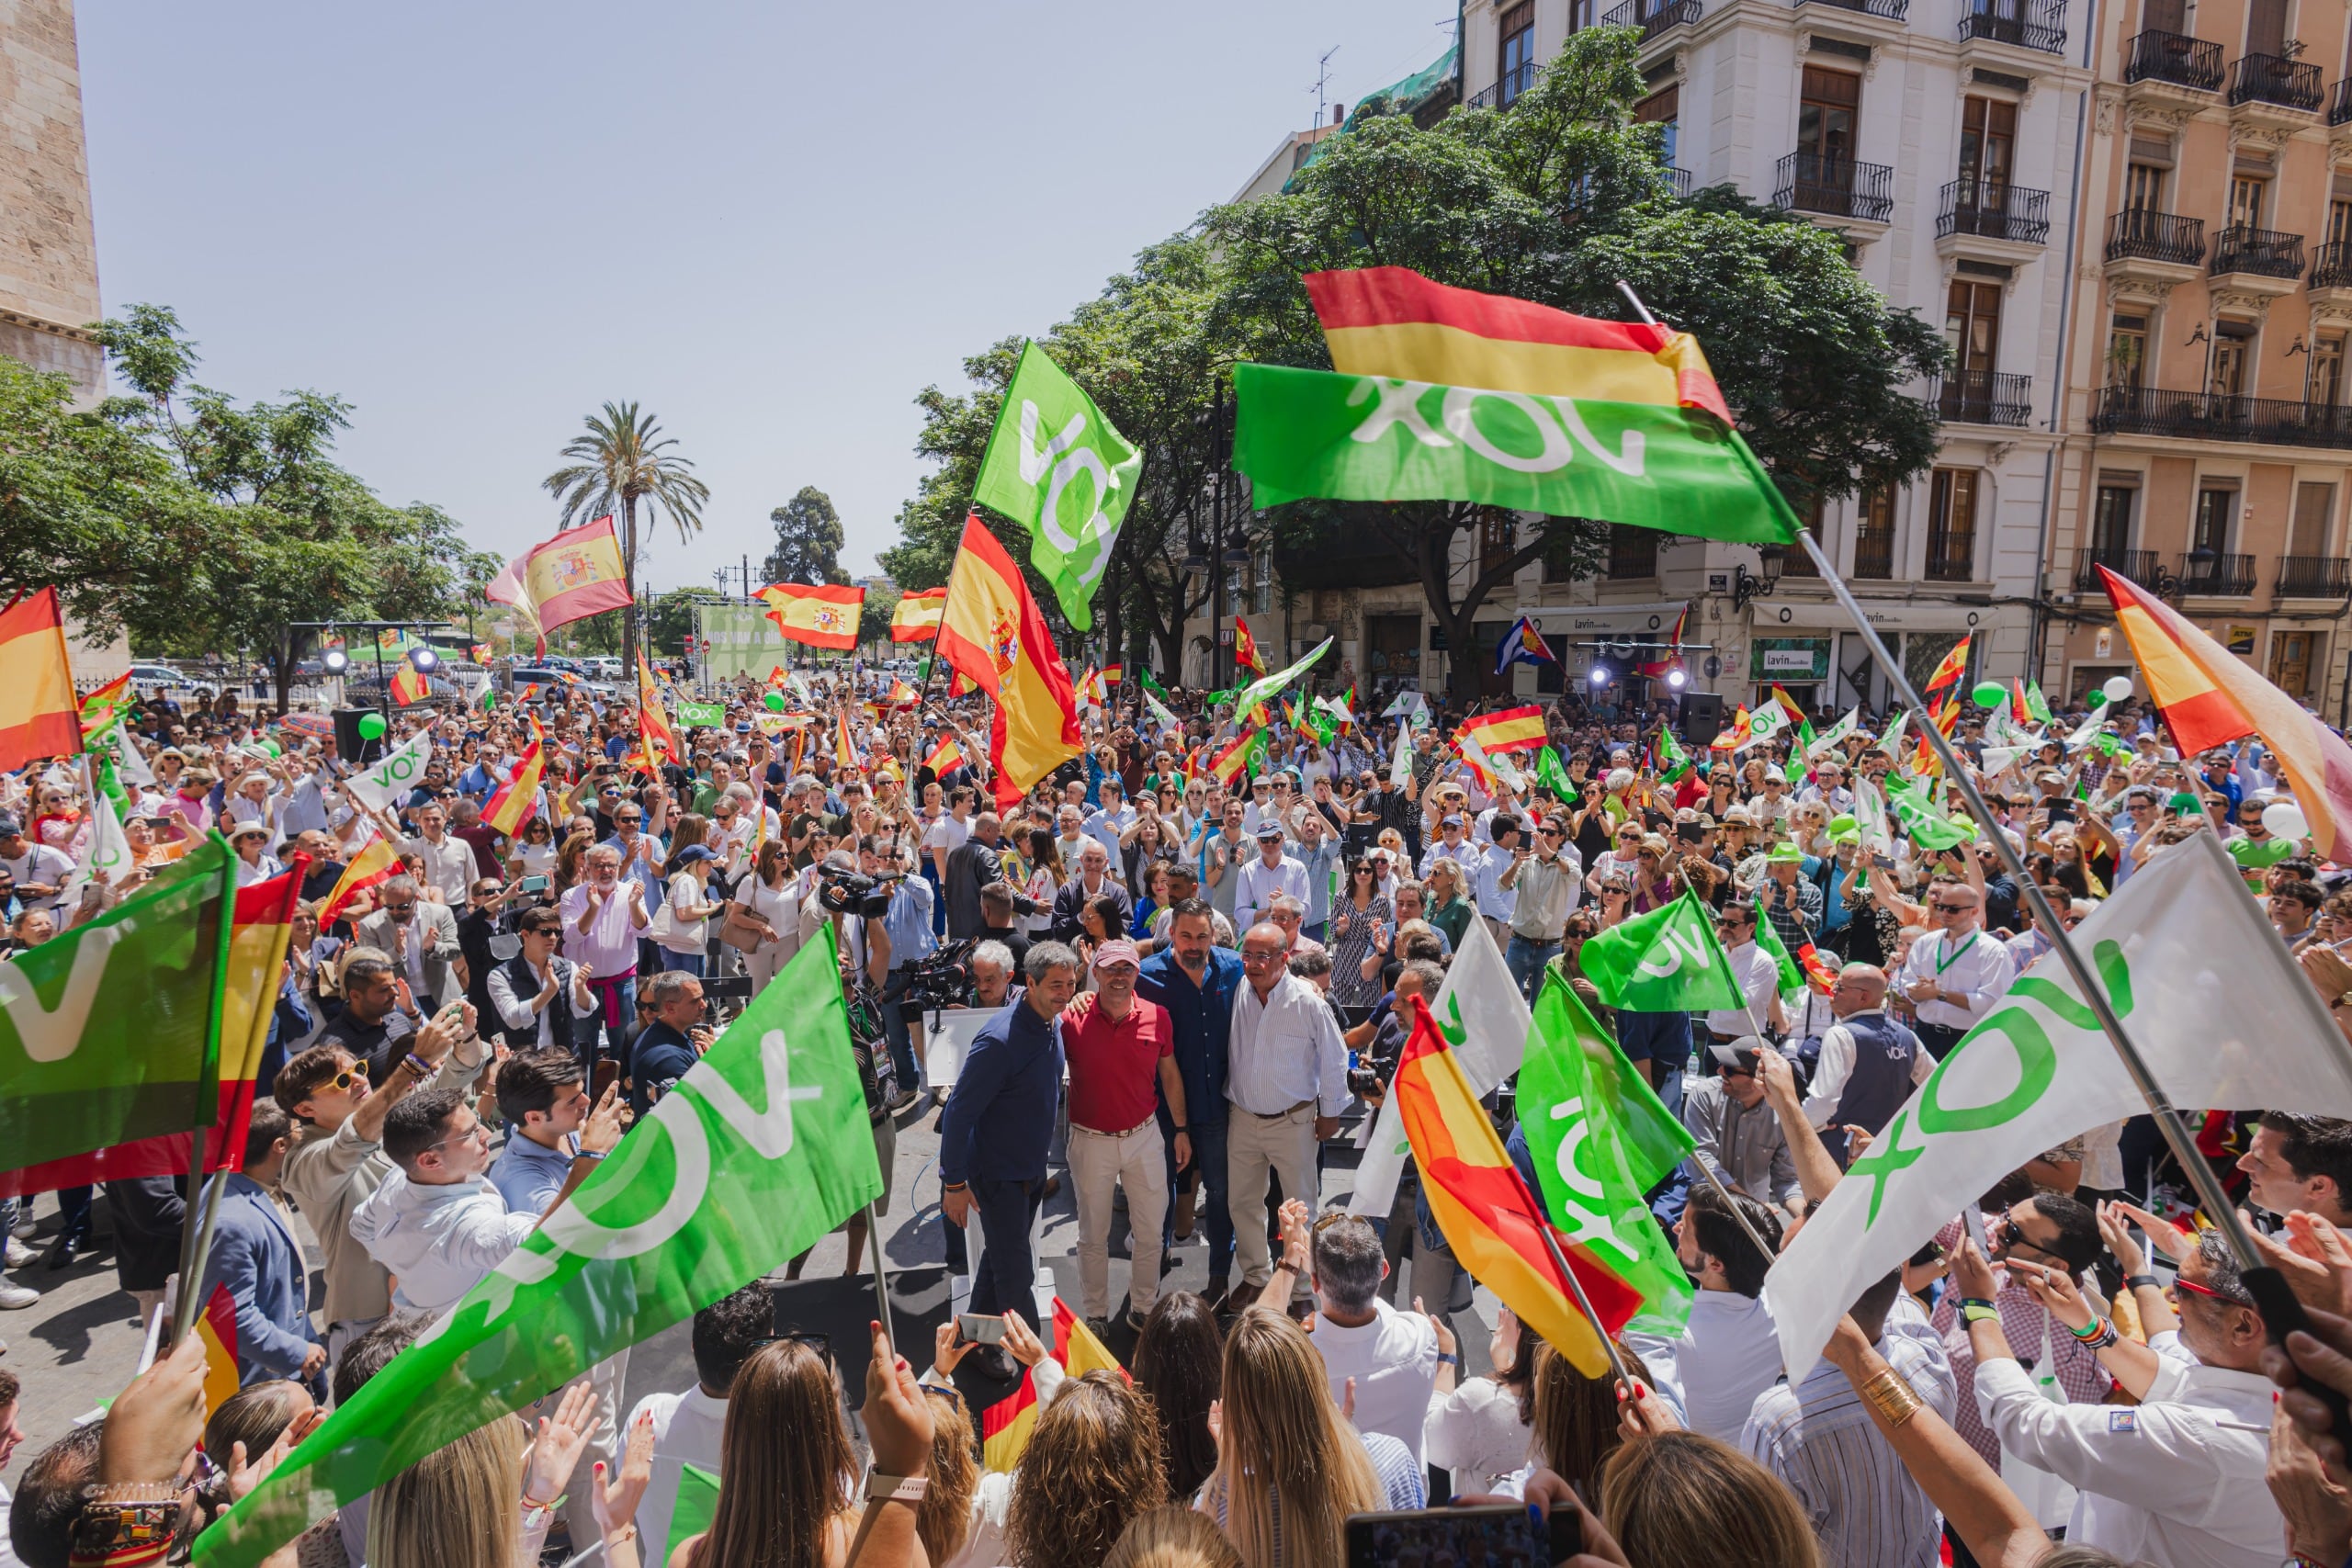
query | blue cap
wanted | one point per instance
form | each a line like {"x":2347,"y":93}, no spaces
{"x":693,"y":853}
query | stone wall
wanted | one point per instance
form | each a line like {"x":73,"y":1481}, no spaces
{"x":49,"y":258}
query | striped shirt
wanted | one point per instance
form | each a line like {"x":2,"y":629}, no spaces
{"x":1817,"y":1437}
{"x":1404,"y":1484}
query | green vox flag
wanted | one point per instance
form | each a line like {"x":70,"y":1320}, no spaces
{"x":1672,"y":761}
{"x":1319,"y":433}
{"x":1600,"y":1139}
{"x":1928,"y":829}
{"x":1666,"y":961}
{"x":699,"y":716}
{"x":1054,"y":466}
{"x":1151,"y":683}
{"x":2036,"y":706}
{"x":761,"y":1150}
{"x":1265,"y":686}
{"x":1552,"y":776}
{"x":110,"y":1033}
{"x":1791,"y":976}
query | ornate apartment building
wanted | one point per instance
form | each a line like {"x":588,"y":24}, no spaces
{"x":2209,"y":446}
{"x":48,"y":250}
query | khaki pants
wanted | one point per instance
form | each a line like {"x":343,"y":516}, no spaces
{"x":1099,"y":1163}
{"x":1500,"y":931}
{"x":763,"y":961}
{"x":1253,"y":1145}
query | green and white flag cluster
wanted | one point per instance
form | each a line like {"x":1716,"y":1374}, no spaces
{"x":1927,"y":828}
{"x":1833,"y":735}
{"x":1057,"y":467}
{"x":1265,"y":686}
{"x":762,"y":1148}
{"x":2180,"y":952}
{"x":692,"y":714}
{"x":1666,"y":961}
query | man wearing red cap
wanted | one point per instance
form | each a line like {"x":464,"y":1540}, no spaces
{"x":1122,"y":1054}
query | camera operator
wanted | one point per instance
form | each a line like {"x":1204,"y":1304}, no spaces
{"x":907,"y":922}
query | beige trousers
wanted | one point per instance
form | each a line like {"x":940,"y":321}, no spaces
{"x":1098,"y":1164}
{"x":1253,"y":1146}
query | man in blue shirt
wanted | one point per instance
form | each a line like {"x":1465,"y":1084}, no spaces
{"x":1197,"y":981}
{"x":668,"y":1048}
{"x":1000,"y":1117}
{"x":543,"y":1100}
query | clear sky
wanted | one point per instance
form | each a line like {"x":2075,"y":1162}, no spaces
{"x":772,"y":225}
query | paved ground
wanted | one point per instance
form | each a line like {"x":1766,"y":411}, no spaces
{"x":79,"y":1344}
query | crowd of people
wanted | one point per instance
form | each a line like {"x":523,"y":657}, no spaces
{"x":1192,"y":990}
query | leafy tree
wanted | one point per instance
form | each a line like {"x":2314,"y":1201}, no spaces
{"x":623,"y":460}
{"x":671,"y":617}
{"x":807,"y":540}
{"x":874,"y":615}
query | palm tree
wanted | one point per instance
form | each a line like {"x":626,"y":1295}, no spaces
{"x":622,"y":460}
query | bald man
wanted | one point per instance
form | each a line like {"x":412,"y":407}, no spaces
{"x":1869,"y":1063}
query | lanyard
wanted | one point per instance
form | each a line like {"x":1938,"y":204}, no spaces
{"x":1944,"y":964}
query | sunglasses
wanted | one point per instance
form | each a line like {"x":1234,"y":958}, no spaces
{"x":1952,"y":908}
{"x":2182,"y":1282}
{"x":820,"y":1343}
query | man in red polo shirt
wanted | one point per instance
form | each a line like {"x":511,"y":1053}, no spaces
{"x":1122,"y":1054}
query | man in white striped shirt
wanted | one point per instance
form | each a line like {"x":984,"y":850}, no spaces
{"x":1816,"y":1436}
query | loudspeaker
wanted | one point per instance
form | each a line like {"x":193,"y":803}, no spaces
{"x":348,"y":744}
{"x":1702,"y":718}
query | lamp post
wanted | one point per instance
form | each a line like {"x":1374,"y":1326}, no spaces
{"x":1770,"y":559}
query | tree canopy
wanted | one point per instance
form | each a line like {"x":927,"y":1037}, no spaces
{"x":807,"y":540}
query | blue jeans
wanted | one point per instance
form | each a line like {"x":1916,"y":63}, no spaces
{"x":1207,"y":1135}
{"x":683,"y":962}
{"x":1525,"y":960}
{"x":894,"y":1026}
{"x":1008,"y":1272}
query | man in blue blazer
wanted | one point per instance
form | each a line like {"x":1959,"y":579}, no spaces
{"x":256,"y":1255}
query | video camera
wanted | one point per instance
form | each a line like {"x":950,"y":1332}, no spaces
{"x":854,"y":893}
{"x":942,"y":980}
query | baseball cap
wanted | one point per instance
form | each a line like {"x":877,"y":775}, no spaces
{"x":1744,"y":1054}
{"x":1269,"y":830}
{"x":10,"y":824}
{"x":1738,"y":815}
{"x":693,"y":853}
{"x":1451,"y":822}
{"x":1117,"y":950}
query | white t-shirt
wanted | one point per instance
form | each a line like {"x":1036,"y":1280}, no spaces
{"x":686,"y":890}
{"x":686,"y":1429}
{"x":778,"y":905}
{"x":947,"y":833}
{"x":1394,"y":1362}
{"x":41,"y":864}
{"x":1718,"y":1365}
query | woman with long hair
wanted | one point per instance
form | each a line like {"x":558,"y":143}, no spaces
{"x":1047,"y":875}
{"x":1481,"y":1429}
{"x":1695,"y":1501}
{"x":1357,"y":921}
{"x":944,"y":1519}
{"x":1577,"y":1417}
{"x":1172,"y":1538}
{"x":787,"y":1472}
{"x":1290,"y":1468}
{"x":1180,"y":1361}
{"x":762,"y":911}
{"x":535,"y":845}
{"x":570,"y":861}
{"x":483,"y":1501}
{"x":1092,"y":1464}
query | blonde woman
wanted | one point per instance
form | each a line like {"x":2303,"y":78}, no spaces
{"x":1092,"y":1464}
{"x":787,"y":1472}
{"x":1172,"y":1538}
{"x":1290,"y":1468}
{"x":1695,"y":1501}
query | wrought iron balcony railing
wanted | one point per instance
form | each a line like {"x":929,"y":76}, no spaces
{"x":1993,"y":210}
{"x":2331,"y":266}
{"x":1655,"y":17}
{"x":2271,"y":79}
{"x":1984,"y":397}
{"x":2313,"y":576}
{"x":2040,"y":27}
{"x":1811,"y":182}
{"x":2262,"y":252}
{"x":2182,"y":60}
{"x":2139,"y":566}
{"x":2216,"y":416}
{"x":2137,"y":234}
{"x":2216,"y":576}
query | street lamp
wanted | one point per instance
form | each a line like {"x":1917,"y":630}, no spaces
{"x":1770,"y":559}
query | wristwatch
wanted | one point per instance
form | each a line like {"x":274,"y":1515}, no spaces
{"x":897,"y":1488}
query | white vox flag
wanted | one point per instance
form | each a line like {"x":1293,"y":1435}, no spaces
{"x":1765,"y":721}
{"x":105,"y":851}
{"x":2180,"y":951}
{"x":1831,"y":737}
{"x":391,"y":777}
{"x":1485,"y":1020}
{"x":1400,"y":766}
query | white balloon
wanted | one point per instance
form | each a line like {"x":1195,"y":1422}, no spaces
{"x":2285,"y":821}
{"x":2118,"y":689}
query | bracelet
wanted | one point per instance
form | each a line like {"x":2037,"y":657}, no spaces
{"x":2106,"y":1336}
{"x":417,"y":1065}
{"x":592,"y":1153}
{"x":1977,"y":1312}
{"x":951,"y":1186}
{"x":624,"y":1533}
{"x":1966,"y":1302}
{"x":1448,"y":1359}
{"x":2088,"y":1330}
{"x":121,"y":1532}
{"x":1892,"y":1398}
{"x":2141,"y":1282}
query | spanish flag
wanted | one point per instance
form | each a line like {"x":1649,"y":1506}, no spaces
{"x":576,"y":574}
{"x":1114,"y":673}
{"x":916,"y":617}
{"x":216,"y":1327}
{"x":1006,"y":1425}
{"x":1493,"y":1224}
{"x":992,"y":632}
{"x":1733,"y":739}
{"x":40,"y":717}
{"x":409,"y":685}
{"x":99,"y":708}
{"x":1513,"y":729}
{"x":1245,"y":648}
{"x":1954,"y":665}
{"x":900,"y":695}
{"x":944,"y":759}
{"x":1235,"y":761}
{"x":518,"y":798}
{"x":822,"y":615}
{"x":2209,"y":695}
{"x":845,"y":744}
{"x":376,"y":861}
{"x":652,"y":721}
{"x":1390,"y":320}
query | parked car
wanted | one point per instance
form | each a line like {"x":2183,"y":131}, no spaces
{"x":162,"y":681}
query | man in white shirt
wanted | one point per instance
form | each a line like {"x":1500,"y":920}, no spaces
{"x":1757,"y":972}
{"x":687,"y":1427}
{"x":1727,"y":1354}
{"x":1286,"y":1077}
{"x":1955,"y":975}
{"x":448,"y":862}
{"x":2179,"y":1479}
{"x":1272,"y":874}
{"x":1391,"y":1356}
{"x":1868,"y":1065}
{"x":1544,"y":883}
{"x":1452,"y":842}
{"x":1828,"y":786}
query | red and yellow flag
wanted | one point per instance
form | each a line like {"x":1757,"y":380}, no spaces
{"x":98,"y":710}
{"x":1954,"y":665}
{"x":1733,"y":739}
{"x":410,"y":684}
{"x":821,"y":615}
{"x":660,"y":740}
{"x":1492,"y":1221}
{"x":946,"y":758}
{"x":900,"y":695}
{"x":576,"y":574}
{"x":1390,"y":320}
{"x":1245,"y":648}
{"x":993,"y":633}
{"x":376,"y":861}
{"x":216,"y":1327}
{"x":1114,"y":673}
{"x":40,"y":716}
{"x":1513,"y":729}
{"x":1005,"y":1425}
{"x":2209,"y":695}
{"x":845,"y":744}
{"x":916,"y":617}
{"x":518,"y":798}
{"x":1231,"y":764}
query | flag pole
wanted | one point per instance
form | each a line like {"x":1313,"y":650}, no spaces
{"x":2281,"y":1313}
{"x":881,"y":1273}
{"x":1716,"y":1181}
{"x":191,"y":1229}
{"x":184,"y":1320}
{"x":1584,"y":1304}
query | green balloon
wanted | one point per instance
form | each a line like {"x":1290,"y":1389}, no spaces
{"x":273,"y":748}
{"x":1991,"y":695}
{"x":775,"y":701}
{"x":371,"y":726}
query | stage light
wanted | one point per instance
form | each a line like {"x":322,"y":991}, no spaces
{"x":336,"y":661}
{"x":1674,"y":678}
{"x":423,"y":657}
{"x":1600,"y":676}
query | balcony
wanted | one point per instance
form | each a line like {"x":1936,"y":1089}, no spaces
{"x":2041,"y":28}
{"x":1680,"y":180}
{"x":2137,"y":234}
{"x":1873,"y":555}
{"x":1991,"y":211}
{"x":2263,"y":261}
{"x":1952,"y":558}
{"x":1892,"y":10}
{"x":2313,"y":576}
{"x":2217,"y":577}
{"x":2331,"y":279}
{"x":2139,"y":566}
{"x":2339,"y":104}
{"x":1841,"y":187}
{"x":1505,"y":89}
{"x":2214,"y":416}
{"x":2173,"y":60}
{"x":1984,"y":397}
{"x":1654,"y":17}
{"x":2268,"y":79}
